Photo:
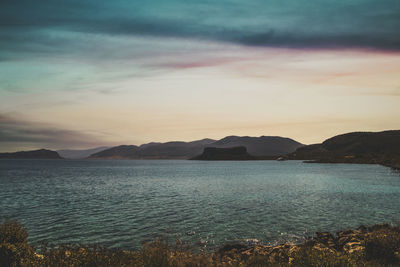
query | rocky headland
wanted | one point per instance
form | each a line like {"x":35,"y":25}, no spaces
{"x":232,"y":153}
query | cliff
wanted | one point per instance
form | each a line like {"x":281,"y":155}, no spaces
{"x":260,"y":146}
{"x":233,"y":153}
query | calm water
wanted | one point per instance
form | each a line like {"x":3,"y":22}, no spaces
{"x":121,"y":203}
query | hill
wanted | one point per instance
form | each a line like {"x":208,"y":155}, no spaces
{"x":33,"y":154}
{"x":81,"y":153}
{"x":169,"y":150}
{"x":118,"y":152}
{"x":257,"y":146}
{"x":356,"y":147}
{"x":232,"y":153}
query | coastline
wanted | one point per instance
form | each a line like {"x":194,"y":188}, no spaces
{"x":377,"y":245}
{"x":393,"y":164}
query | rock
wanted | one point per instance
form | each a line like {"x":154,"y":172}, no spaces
{"x":230,"y":247}
{"x":323,"y":248}
{"x":327,"y":239}
{"x":363,"y":229}
{"x":352,"y":247}
{"x":344,"y":233}
{"x":292,"y":252}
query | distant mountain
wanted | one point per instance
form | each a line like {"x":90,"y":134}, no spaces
{"x":357,"y":147}
{"x":257,"y":146}
{"x":34,"y":154}
{"x":232,"y":153}
{"x":118,"y":152}
{"x":169,"y":150}
{"x":80,"y":154}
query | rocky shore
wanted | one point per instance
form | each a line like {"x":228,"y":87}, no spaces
{"x":378,"y":245}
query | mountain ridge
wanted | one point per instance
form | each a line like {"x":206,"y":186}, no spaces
{"x":257,"y":146}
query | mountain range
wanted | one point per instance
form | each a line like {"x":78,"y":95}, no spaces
{"x":256,"y":146}
{"x":356,"y":147}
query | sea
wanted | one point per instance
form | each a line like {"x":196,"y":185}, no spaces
{"x":124,"y":203}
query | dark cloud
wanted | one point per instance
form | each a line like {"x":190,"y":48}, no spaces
{"x":296,"y":23}
{"x":17,"y":133}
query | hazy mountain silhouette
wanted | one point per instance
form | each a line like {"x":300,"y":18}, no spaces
{"x":257,"y":146}
{"x":33,"y":154}
{"x":118,"y":152}
{"x":79,"y":153}
{"x":176,"y":150}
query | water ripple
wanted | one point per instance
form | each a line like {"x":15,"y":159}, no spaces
{"x":121,"y":203}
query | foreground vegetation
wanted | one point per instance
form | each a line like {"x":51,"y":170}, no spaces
{"x":378,"y":245}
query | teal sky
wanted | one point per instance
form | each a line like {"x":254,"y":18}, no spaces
{"x":78,"y":74}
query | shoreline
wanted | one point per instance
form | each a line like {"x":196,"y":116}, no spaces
{"x":393,"y":166}
{"x":377,"y":245}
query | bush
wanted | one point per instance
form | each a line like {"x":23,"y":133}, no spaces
{"x":384,"y":245}
{"x":309,"y":256}
{"x":14,"y":247}
{"x":12,"y":232}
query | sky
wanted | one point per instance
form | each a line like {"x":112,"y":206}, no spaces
{"x":80,"y":74}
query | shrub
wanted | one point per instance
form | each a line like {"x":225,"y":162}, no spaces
{"x":12,"y":232}
{"x":384,"y":245}
{"x":14,"y":247}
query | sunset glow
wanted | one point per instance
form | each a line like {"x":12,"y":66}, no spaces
{"x":66,"y":82}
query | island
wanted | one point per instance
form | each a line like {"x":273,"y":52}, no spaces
{"x":232,"y":153}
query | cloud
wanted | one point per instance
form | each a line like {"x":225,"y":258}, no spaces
{"x":295,"y":23}
{"x":16,"y":133}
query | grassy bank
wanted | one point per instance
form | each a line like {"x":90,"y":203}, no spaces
{"x":378,"y":245}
